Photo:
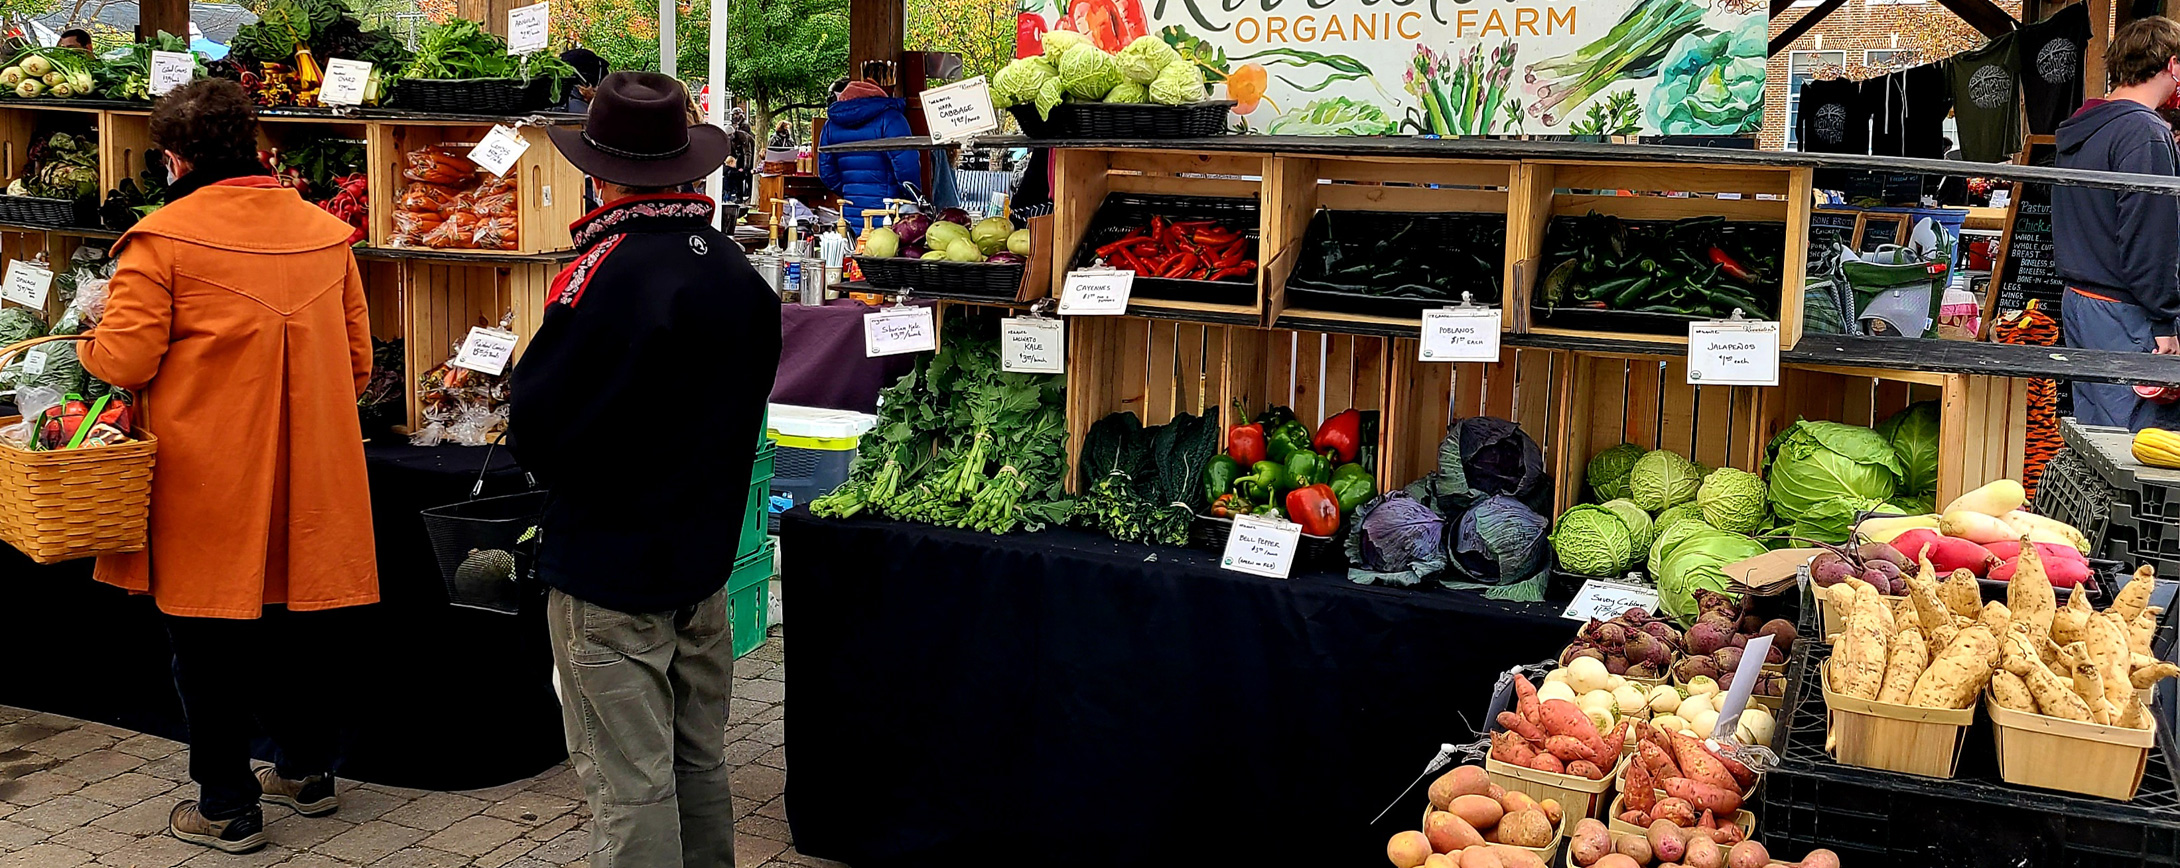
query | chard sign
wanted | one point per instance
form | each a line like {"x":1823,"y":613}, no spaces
{"x":1452,"y":67}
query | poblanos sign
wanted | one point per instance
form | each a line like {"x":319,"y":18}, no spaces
{"x":1453,"y":67}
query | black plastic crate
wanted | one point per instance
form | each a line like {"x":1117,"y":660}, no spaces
{"x":1090,"y":120}
{"x":2149,"y":492}
{"x":1124,"y":213}
{"x":1570,"y":314}
{"x":2071,"y":491}
{"x":1442,"y":235}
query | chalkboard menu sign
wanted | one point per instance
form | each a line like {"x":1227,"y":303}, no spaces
{"x":1828,"y":232}
{"x":2029,"y":268}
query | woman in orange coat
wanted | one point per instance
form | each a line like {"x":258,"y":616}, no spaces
{"x":236,"y":314}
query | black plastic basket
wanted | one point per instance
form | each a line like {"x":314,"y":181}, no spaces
{"x":39,"y":211}
{"x":889,"y":272}
{"x":1570,"y":314}
{"x":2072,"y":492}
{"x":1124,"y":213}
{"x":481,"y":525}
{"x":1208,"y":534}
{"x":1309,"y":289}
{"x":998,"y":280}
{"x":477,"y":96}
{"x":1098,"y":120}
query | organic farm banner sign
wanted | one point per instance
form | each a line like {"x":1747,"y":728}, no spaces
{"x":1452,"y":67}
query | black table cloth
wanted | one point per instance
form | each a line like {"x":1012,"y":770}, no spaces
{"x":1063,"y":699}
{"x":437,"y":697}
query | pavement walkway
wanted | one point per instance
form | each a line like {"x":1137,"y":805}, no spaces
{"x":76,"y":794}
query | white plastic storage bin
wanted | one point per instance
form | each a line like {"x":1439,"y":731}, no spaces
{"x":816,"y":447}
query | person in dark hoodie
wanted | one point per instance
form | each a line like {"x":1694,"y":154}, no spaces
{"x":2119,"y":252}
{"x":865,"y":180}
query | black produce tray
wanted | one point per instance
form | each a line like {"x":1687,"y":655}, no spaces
{"x":999,"y":280}
{"x":1097,"y":120}
{"x":1435,"y":231}
{"x":1124,"y":212}
{"x":1208,"y":534}
{"x":1570,"y":315}
{"x":492,"y":96}
{"x":889,"y":272}
{"x":1880,"y":819}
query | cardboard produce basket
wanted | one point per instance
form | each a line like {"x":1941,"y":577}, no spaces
{"x":1546,"y":852}
{"x":1578,"y":796}
{"x":2072,"y":756}
{"x":1893,"y":737}
{"x":1617,"y":828}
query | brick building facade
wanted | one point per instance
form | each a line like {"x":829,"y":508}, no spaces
{"x":1863,"y":38}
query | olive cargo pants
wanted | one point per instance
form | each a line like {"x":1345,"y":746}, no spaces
{"x":644,"y":702}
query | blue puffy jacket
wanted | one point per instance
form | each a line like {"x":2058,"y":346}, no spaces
{"x":866,"y":180}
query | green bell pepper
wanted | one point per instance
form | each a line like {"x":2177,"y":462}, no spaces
{"x":1353,"y":486}
{"x":1288,"y":438}
{"x":1271,"y":509}
{"x":1265,"y":482}
{"x":1307,"y":468}
{"x":1219,"y":477}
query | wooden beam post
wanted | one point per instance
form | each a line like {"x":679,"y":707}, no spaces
{"x":171,"y":16}
{"x":1983,"y":15}
{"x":492,"y":14}
{"x":2100,"y":36}
{"x":875,"y":29}
{"x":1795,"y":30}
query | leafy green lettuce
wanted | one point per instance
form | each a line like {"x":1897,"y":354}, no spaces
{"x":1712,"y":83}
{"x":1913,"y":433}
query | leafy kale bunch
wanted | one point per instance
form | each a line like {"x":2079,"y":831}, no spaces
{"x":462,"y":50}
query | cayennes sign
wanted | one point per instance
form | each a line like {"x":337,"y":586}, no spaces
{"x":1453,"y":67}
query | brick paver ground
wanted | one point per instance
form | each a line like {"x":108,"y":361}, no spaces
{"x":75,"y":794}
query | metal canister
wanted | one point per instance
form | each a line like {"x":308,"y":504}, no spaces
{"x":768,"y":267}
{"x":812,"y":282}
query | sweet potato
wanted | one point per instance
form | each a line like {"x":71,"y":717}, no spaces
{"x":1443,"y":860}
{"x":1478,"y":811}
{"x":1448,"y":832}
{"x":2106,"y":636}
{"x":1560,"y":717}
{"x":1727,"y":834}
{"x":1675,"y":809}
{"x":1516,"y":800}
{"x":1633,"y":818}
{"x":2137,"y":715}
{"x":1748,"y":854}
{"x":1744,"y":776}
{"x":1516,"y":857}
{"x":2134,"y":596}
{"x":1946,"y":553}
{"x":1586,"y":770}
{"x":1589,"y":843}
{"x":1703,"y":853}
{"x":1905,"y":659}
{"x":2029,"y":595}
{"x":1961,"y":594}
{"x":1568,"y":748}
{"x":1520,"y":726}
{"x":2068,"y":623}
{"x":1661,"y":763}
{"x":1858,"y":659}
{"x":1614,"y":741}
{"x":1923,"y":592}
{"x":1666,"y":841}
{"x":1526,"y":828}
{"x":1408,"y":849}
{"x":1513,"y":749}
{"x":1552,"y":811}
{"x":2140,"y":632}
{"x":1618,"y":860}
{"x":2012,"y":692}
{"x":1480,"y":857}
{"x":1959,"y":672}
{"x":1703,"y":796}
{"x":2144,"y":677}
{"x":2053,"y":698}
{"x":1637,"y":787}
{"x":1996,"y":616}
{"x":1820,"y":858}
{"x":1545,"y":762}
{"x":1699,"y":765}
{"x":1525,"y":698}
{"x":2088,"y":682}
{"x":1461,"y":781}
{"x":1636,"y":847}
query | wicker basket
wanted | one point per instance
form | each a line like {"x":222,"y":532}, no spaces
{"x":1097,"y":120}
{"x":74,"y":503}
{"x":477,"y":96}
{"x":37,"y":211}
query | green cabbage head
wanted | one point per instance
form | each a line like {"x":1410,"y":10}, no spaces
{"x":1732,"y":500}
{"x":1057,"y":43}
{"x":1913,"y":433}
{"x":1142,"y":60}
{"x":1607,"y":471}
{"x":1692,"y":556}
{"x":1675,"y":514}
{"x":1662,"y":478}
{"x":1637,"y":521}
{"x":1593,"y":541}
{"x":1178,"y":84}
{"x":1017,"y":82}
{"x":1128,"y":92}
{"x":1087,"y":73}
{"x":1812,"y":462}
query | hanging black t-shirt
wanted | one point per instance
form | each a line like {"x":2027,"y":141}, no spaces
{"x":1907,"y":112}
{"x":2051,"y":67}
{"x":1833,"y":118}
{"x":1986,"y":106}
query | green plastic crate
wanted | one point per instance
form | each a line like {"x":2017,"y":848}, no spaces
{"x":749,"y":594}
{"x":753,"y":512}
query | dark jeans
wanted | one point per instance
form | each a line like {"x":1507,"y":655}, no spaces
{"x":234,"y":675}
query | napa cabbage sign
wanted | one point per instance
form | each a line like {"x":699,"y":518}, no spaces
{"x":1452,"y":67}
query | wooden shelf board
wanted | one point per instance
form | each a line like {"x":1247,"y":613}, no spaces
{"x":1194,"y":311}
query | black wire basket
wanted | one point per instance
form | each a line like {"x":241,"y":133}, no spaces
{"x":477,"y":96}
{"x":502,"y":524}
{"x":1208,"y":534}
{"x":1124,"y":213}
{"x":1000,"y":280}
{"x":1098,"y":120}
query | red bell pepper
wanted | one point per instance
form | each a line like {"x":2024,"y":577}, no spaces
{"x":1245,"y":444}
{"x":1316,"y":508}
{"x":1029,"y":31}
{"x":1340,"y":435}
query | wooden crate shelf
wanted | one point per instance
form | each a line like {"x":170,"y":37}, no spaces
{"x":442,"y":301}
{"x":1658,"y":191}
{"x":1526,"y":386}
{"x":1295,"y":187}
{"x":1083,"y":178}
{"x":551,"y":187}
{"x":1646,"y":400}
{"x":1157,"y":368}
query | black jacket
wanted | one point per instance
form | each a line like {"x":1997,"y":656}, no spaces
{"x":2121,"y":245}
{"x":640,"y":402}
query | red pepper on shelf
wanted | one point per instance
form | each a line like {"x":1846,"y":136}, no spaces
{"x":1730,"y":266}
{"x":1341,"y":435}
{"x":1245,"y":444}
{"x":1316,"y":508}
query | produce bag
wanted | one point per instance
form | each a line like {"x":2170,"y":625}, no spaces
{"x":31,"y":402}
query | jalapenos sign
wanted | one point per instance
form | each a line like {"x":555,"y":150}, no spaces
{"x":1452,"y":67}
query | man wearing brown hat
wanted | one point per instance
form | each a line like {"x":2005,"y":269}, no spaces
{"x":639,"y":404}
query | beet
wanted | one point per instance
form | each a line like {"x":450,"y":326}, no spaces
{"x":955,"y":215}
{"x":911,"y":228}
{"x":1729,"y":659}
{"x":1707,"y":636}
{"x":1006,"y":256}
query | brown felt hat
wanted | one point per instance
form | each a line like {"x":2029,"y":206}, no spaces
{"x":638,"y":134}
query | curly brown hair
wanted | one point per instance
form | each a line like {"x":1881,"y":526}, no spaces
{"x":209,"y":122}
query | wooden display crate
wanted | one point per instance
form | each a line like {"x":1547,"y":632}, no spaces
{"x":1982,"y":420}
{"x":1646,"y":400}
{"x":124,"y":138}
{"x":551,"y":187}
{"x":443,"y":301}
{"x":56,"y":246}
{"x":1525,"y":385}
{"x":1084,"y":177}
{"x":1657,"y":191}
{"x":1156,"y":368}
{"x":1296,"y":187}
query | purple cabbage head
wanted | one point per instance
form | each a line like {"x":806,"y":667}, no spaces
{"x":1396,"y":532}
{"x":1500,"y":540}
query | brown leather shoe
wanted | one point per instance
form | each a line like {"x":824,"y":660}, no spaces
{"x":312,"y":796}
{"x":241,"y":834}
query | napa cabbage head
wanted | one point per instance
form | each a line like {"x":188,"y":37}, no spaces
{"x":1813,"y":462}
{"x":1142,"y":60}
{"x":1017,"y":82}
{"x":1178,"y":84}
{"x":1087,"y":73}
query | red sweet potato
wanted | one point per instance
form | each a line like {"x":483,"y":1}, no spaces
{"x":1568,"y":748}
{"x":1545,"y":762}
{"x":2062,"y":573}
{"x":1675,"y":809}
{"x":1699,"y":765}
{"x":1511,"y":748}
{"x":1586,"y":769}
{"x":1638,"y":789}
{"x":1560,"y":717}
{"x":1946,"y":553}
{"x":1613,"y":741}
{"x":1703,"y":796}
{"x":1521,"y":726}
{"x":1742,"y":774}
{"x":1660,"y":762}
{"x":1525,"y":698}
